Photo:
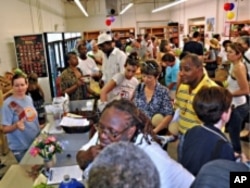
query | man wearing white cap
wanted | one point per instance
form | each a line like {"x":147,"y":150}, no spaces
{"x":114,"y":59}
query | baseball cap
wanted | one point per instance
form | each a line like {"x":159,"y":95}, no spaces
{"x":104,"y":37}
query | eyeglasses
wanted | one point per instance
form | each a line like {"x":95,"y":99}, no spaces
{"x":150,"y":65}
{"x":109,"y":132}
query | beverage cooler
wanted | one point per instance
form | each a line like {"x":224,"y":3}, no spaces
{"x":43,"y":54}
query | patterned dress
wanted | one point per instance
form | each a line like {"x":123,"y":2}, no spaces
{"x":68,"y":79}
{"x":159,"y":103}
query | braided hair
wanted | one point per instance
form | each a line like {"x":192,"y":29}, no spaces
{"x":137,"y":117}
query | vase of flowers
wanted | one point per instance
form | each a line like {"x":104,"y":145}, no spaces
{"x":46,"y":146}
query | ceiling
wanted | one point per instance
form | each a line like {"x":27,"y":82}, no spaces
{"x":135,"y":1}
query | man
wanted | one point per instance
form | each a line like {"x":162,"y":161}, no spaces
{"x":194,"y":46}
{"x":122,"y":121}
{"x":147,"y":45}
{"x":117,"y":40}
{"x":121,"y":164}
{"x":192,"y":78}
{"x":87,"y":64}
{"x":113,"y":60}
{"x":95,"y":53}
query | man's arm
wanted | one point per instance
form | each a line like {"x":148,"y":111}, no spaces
{"x":84,"y":158}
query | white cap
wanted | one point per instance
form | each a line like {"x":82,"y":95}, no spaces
{"x":104,"y":37}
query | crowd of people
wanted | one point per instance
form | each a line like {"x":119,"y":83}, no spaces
{"x":171,"y":92}
{"x":184,"y":90}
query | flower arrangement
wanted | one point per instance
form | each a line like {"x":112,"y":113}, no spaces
{"x":46,"y":146}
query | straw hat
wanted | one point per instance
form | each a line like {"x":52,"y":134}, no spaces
{"x":214,"y":43}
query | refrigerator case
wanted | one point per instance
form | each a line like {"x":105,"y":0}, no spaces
{"x":43,"y":54}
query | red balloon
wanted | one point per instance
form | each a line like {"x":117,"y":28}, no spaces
{"x":227,"y":6}
{"x":108,"y":22}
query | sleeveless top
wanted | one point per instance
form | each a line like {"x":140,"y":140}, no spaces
{"x":232,"y":86}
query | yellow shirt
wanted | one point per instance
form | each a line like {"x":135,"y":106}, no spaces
{"x":184,"y":100}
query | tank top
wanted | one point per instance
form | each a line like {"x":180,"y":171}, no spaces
{"x":233,"y":86}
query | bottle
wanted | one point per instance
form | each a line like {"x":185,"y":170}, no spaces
{"x":70,"y":183}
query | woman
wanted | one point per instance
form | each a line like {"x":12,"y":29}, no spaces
{"x":72,"y":81}
{"x":19,"y":117}
{"x":164,"y":47}
{"x":238,"y":86}
{"x":36,"y":93}
{"x":122,"y":85}
{"x":151,"y":97}
{"x":245,"y":43}
{"x":211,"y":58}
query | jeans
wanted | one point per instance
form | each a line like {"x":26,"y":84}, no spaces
{"x":180,"y":147}
{"x":234,"y":125}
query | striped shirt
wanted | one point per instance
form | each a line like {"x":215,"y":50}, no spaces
{"x":184,"y":100}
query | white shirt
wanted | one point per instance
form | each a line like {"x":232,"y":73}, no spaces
{"x":148,"y":45}
{"x":233,"y":86}
{"x":113,"y":64}
{"x":98,"y":56}
{"x":171,"y":173}
{"x":223,"y":55}
{"x":124,"y":87}
{"x":87,"y":66}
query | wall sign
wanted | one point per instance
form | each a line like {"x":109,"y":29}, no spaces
{"x":30,"y":54}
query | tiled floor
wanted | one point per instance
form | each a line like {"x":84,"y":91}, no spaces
{"x":9,"y":159}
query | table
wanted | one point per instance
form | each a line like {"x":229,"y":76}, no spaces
{"x":71,"y":143}
{"x":17,"y":176}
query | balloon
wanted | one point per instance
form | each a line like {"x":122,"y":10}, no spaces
{"x":108,"y":22}
{"x":230,"y":15}
{"x":112,"y":18}
{"x":227,"y":6}
{"x":231,"y":6}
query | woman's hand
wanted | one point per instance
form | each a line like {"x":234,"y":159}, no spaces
{"x":20,"y":124}
{"x":79,"y":82}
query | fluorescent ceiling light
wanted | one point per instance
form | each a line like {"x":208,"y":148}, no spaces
{"x":168,"y":6}
{"x":126,"y":8}
{"x":81,"y":7}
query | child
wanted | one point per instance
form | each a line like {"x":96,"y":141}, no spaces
{"x":206,"y":142}
{"x":37,"y":95}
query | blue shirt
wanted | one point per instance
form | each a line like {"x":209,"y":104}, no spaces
{"x":20,"y":140}
{"x":159,"y":103}
{"x":172,"y":74}
{"x":203,"y":144}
